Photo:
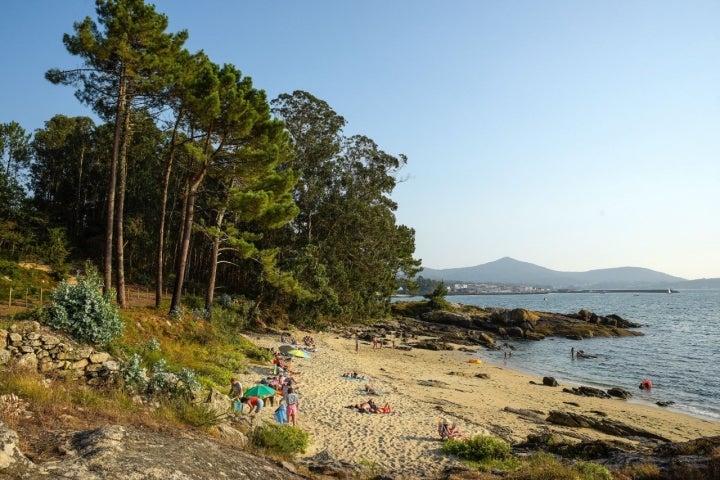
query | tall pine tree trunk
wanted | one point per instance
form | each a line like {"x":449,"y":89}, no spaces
{"x":181,"y":263}
{"x":110,"y":210}
{"x":163,"y":214}
{"x":120,"y":213}
{"x":214,"y":256}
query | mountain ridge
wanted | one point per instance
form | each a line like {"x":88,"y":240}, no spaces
{"x":507,"y":270}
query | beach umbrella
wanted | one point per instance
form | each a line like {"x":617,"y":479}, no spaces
{"x":296,"y":352}
{"x":259,"y":391}
{"x":286,"y":348}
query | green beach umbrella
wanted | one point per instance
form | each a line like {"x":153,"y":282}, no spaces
{"x":259,"y":391}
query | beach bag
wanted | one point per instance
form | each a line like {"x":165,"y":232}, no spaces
{"x":281,"y":415}
{"x":237,"y":404}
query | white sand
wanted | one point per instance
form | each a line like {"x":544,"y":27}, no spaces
{"x":405,"y":442}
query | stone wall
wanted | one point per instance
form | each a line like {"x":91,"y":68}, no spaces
{"x":27,"y":345}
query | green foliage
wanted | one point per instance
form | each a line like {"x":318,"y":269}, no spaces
{"x":283,"y":440}
{"x":57,"y":252}
{"x":543,"y":466}
{"x":84,"y":312}
{"x":194,"y":414}
{"x":641,"y":471}
{"x":162,"y":382}
{"x":593,"y":471}
{"x":436,"y":299}
{"x":134,"y":374}
{"x":479,"y":448}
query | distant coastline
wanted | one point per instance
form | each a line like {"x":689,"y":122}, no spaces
{"x":563,"y":290}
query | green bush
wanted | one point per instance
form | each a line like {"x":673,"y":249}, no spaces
{"x":195,"y":414}
{"x":543,"y":466}
{"x":477,"y":449}
{"x":84,"y":312}
{"x":134,"y":374}
{"x":283,"y":440}
{"x":593,"y":471}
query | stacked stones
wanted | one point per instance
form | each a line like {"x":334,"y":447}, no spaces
{"x":29,"y":347}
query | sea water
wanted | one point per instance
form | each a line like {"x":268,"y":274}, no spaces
{"x":679,"y":351}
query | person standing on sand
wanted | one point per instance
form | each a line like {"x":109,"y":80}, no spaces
{"x":236,"y":391}
{"x":357,"y":343}
{"x":292,"y":401}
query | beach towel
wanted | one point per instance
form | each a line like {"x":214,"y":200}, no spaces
{"x":355,"y":379}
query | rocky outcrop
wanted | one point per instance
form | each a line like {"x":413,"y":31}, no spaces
{"x":114,"y":451}
{"x":524,"y":324}
{"x":30,"y":346}
{"x":605,"y":425}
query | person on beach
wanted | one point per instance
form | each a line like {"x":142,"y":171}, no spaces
{"x":448,"y":430}
{"x":572,"y":352}
{"x":357,"y":344}
{"x":281,"y":414}
{"x":236,"y":391}
{"x":256,"y":404}
{"x":292,"y":402}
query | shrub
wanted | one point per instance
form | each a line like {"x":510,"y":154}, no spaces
{"x":283,"y":440}
{"x":477,"y":449}
{"x":544,"y":466}
{"x":84,"y":312}
{"x":641,"y":471}
{"x":195,"y":414}
{"x":593,"y":471}
{"x":174,"y":385}
{"x":134,"y":375}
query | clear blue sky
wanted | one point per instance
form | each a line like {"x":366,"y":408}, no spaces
{"x":570,"y":134}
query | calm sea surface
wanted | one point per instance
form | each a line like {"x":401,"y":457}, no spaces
{"x":679,"y":353}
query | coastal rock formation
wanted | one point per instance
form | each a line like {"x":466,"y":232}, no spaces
{"x":114,"y":451}
{"x":611,"y":427}
{"x":523,"y":324}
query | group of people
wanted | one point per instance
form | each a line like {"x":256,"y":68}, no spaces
{"x":284,"y":385}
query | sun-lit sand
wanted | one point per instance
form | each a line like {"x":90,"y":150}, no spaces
{"x":423,"y":387}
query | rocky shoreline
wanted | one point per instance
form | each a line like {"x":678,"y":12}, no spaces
{"x":421,"y":364}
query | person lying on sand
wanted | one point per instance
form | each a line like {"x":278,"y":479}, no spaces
{"x":372,"y":390}
{"x":370,"y":407}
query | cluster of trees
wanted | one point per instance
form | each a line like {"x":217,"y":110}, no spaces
{"x":193,"y":177}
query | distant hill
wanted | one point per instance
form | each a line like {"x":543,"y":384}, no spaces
{"x":514,"y":272}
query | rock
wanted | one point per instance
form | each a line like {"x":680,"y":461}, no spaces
{"x":27,"y":361}
{"x":610,"y":427}
{"x":218,"y":402}
{"x":114,"y":451}
{"x":227,"y":432}
{"x":13,"y":464}
{"x":550,"y":381}
{"x":25,"y":327}
{"x":5,"y":356}
{"x":587,"y":392}
{"x":619,"y":392}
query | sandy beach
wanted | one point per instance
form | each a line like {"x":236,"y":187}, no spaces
{"x":422,"y":387}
